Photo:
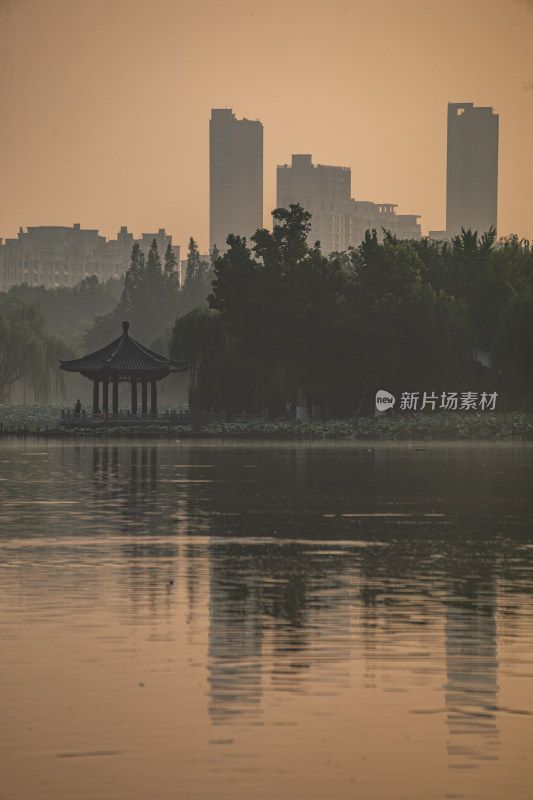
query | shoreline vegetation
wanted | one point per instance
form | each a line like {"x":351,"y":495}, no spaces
{"x":446,"y":426}
{"x":275,"y":324}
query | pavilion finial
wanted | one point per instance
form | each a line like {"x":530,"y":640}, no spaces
{"x":125,"y":326}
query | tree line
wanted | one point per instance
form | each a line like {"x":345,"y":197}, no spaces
{"x":287,"y":326}
{"x":152,"y":297}
{"x":70,"y":311}
{"x":274,"y":324}
{"x":29,"y":353}
{"x":38,"y":326}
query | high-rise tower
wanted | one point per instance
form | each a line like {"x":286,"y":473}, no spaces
{"x":472,"y":169}
{"x":235,"y":176}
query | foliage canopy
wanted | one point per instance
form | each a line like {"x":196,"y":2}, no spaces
{"x":28,"y":351}
{"x":289,"y":324}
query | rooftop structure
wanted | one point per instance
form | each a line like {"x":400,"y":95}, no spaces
{"x":305,"y":179}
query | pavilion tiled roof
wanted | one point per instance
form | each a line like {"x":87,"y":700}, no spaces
{"x":124,"y":355}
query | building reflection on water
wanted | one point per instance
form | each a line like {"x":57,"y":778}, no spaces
{"x":290,"y":596}
{"x":234,"y":642}
{"x":471,"y":667}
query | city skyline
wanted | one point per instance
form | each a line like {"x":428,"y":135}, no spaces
{"x":106,"y":106}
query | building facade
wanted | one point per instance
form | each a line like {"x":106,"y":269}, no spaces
{"x":471,"y":169}
{"x":235,"y":176}
{"x":163,"y":240}
{"x":55,"y":255}
{"x":314,"y":182}
{"x":337,"y":220}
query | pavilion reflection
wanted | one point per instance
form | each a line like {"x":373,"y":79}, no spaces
{"x":127,"y":498}
{"x":125,"y":482}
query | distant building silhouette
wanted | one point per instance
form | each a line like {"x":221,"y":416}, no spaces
{"x":235,"y":176}
{"x":55,"y":255}
{"x":163,"y":239}
{"x":304,"y":179}
{"x":337,"y":220}
{"x":472,"y":168}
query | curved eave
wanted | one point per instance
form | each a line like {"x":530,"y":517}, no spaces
{"x":107,"y":370}
{"x":71,"y":366}
{"x":179,"y":366}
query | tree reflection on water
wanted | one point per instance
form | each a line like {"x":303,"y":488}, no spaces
{"x":309,"y":559}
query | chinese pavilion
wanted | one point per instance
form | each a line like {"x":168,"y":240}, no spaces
{"x":124,"y":361}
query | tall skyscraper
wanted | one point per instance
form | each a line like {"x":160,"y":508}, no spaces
{"x":472,"y":169}
{"x":235,"y":176}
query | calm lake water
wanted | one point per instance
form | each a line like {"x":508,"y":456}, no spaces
{"x":271,"y":620}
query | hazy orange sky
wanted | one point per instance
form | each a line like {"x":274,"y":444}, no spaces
{"x":106,"y":103}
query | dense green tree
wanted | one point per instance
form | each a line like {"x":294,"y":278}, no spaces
{"x":170,"y":268}
{"x":149,"y":300}
{"x":69,"y":311}
{"x":472,"y":277}
{"x":214,"y":256}
{"x":28,"y":351}
{"x":156,"y":296}
{"x":514,"y":350}
{"x":106,"y":327}
{"x":153,"y":265}
{"x":513,"y":266}
{"x":222,"y":375}
{"x":406,"y":334}
{"x":194,"y":264}
{"x":283,"y":301}
{"x":133,"y":282}
{"x":197,"y":281}
{"x":336,"y":330}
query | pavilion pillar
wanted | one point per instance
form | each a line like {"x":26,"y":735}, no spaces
{"x":144,"y":397}
{"x":133,"y":395}
{"x":105,"y":397}
{"x":96,"y":397}
{"x":153,"y":397}
{"x":115,"y":397}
